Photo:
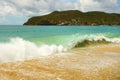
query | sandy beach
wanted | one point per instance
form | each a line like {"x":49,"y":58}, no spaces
{"x":59,"y":39}
{"x":88,"y":63}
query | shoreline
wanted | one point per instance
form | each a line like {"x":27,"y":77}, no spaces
{"x":92,"y":62}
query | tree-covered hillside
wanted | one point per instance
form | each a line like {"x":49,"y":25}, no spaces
{"x":75,"y":17}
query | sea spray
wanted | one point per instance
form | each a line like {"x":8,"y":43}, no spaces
{"x":84,"y":40}
{"x":19,"y":49}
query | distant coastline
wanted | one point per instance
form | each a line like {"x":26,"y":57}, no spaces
{"x":75,"y":18}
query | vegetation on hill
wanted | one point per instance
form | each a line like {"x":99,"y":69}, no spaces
{"x":75,"y":17}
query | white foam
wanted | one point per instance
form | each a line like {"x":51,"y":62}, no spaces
{"x":19,"y":49}
{"x":100,"y":37}
{"x":78,"y":38}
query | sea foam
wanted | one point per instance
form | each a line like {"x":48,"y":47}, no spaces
{"x":20,"y":49}
{"x":81,"y":41}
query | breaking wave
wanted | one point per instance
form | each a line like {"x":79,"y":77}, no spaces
{"x":86,"y":40}
{"x":19,"y":49}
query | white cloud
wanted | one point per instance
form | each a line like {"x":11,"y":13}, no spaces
{"x":39,"y":7}
{"x":7,"y":10}
{"x":99,"y":5}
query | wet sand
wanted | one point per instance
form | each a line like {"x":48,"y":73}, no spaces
{"x":88,"y":63}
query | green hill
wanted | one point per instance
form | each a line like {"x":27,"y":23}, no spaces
{"x":75,"y":17}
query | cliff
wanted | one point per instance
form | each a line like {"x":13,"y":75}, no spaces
{"x":75,"y":17}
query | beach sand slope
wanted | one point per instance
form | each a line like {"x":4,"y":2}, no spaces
{"x":98,"y":62}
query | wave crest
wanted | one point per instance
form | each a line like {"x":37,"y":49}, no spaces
{"x":82,"y":41}
{"x":19,"y":49}
{"x":88,"y":42}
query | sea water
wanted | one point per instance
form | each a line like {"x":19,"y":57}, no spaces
{"x":26,"y":42}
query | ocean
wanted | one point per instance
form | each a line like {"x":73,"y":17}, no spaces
{"x":27,"y":42}
{"x":59,"y":52}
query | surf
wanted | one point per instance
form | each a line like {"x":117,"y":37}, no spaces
{"x":17,"y":49}
{"x":92,"y":39}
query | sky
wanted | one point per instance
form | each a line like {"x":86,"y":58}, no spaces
{"x":16,"y":12}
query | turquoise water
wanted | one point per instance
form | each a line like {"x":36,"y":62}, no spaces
{"x":26,"y":42}
{"x":56,"y":34}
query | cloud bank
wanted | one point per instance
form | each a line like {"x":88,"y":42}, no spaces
{"x":39,"y":7}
